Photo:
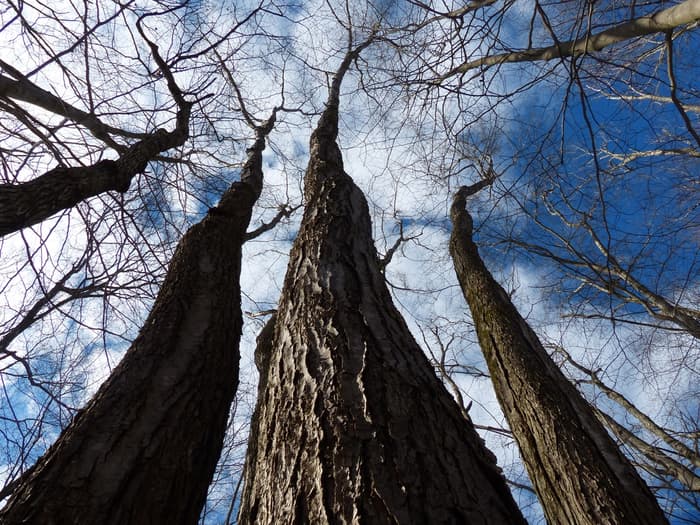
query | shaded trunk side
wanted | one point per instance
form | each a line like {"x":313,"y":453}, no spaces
{"x":352,"y":425}
{"x":145,"y":447}
{"x":579,"y":474}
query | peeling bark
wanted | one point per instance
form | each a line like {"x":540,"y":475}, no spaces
{"x":579,"y":474}
{"x":352,"y":425}
{"x":145,"y":447}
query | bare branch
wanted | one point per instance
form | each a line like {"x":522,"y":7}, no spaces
{"x":285,"y":211}
{"x":683,"y":450}
{"x":670,"y":466}
{"x":687,"y":12}
{"x":674,"y":88}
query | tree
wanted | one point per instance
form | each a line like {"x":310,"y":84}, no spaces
{"x":127,"y":457}
{"x":351,"y":422}
{"x":579,"y":473}
{"x":599,"y":147}
{"x":596,"y":202}
{"x":92,"y":88}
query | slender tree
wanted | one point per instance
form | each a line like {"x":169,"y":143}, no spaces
{"x":145,"y":447}
{"x":577,"y":470}
{"x":352,"y":424}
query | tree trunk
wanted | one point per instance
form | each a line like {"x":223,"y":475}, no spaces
{"x":580,"y":475}
{"x":145,"y":448}
{"x":352,"y":425}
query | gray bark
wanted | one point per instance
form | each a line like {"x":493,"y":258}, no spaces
{"x":579,"y":474}
{"x":352,"y":425}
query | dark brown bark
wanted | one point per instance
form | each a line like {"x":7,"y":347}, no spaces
{"x":579,"y":474}
{"x":144,"y":449}
{"x":352,"y":425}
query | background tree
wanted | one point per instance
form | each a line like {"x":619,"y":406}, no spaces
{"x":584,"y":205}
{"x":577,"y":470}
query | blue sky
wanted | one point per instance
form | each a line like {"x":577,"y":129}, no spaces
{"x":400,"y":148}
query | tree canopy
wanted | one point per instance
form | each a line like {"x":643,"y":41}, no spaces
{"x":123,"y":123}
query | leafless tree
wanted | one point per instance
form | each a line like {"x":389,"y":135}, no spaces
{"x":577,"y":106}
{"x":344,"y":385}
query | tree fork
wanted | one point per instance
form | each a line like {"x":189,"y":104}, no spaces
{"x":579,"y":474}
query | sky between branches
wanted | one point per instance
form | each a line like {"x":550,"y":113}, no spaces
{"x":568,"y":138}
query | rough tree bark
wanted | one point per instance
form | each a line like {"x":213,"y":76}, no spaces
{"x":352,"y":425}
{"x":579,"y":474}
{"x":145,"y":447}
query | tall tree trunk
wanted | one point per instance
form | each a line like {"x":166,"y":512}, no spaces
{"x":580,"y":475}
{"x":352,"y":425}
{"x":145,"y":448}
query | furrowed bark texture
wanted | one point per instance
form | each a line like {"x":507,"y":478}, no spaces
{"x":352,"y":425}
{"x":578,"y":472}
{"x":31,"y":202}
{"x":144,"y":449}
